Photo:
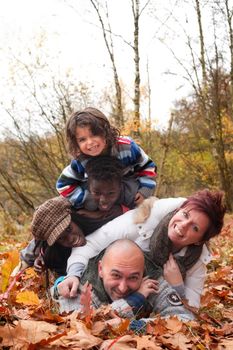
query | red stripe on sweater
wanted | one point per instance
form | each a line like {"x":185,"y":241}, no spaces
{"x":147,"y":173}
{"x":122,"y":140}
{"x":67,"y":190}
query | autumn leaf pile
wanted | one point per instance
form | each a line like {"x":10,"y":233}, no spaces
{"x":30,"y":319}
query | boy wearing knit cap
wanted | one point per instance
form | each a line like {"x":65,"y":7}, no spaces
{"x":55,"y":234}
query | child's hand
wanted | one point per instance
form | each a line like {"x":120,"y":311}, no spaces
{"x":148,"y":286}
{"x":172,"y":272}
{"x":69,"y":287}
{"x":39,"y":265}
{"x":138,"y":198}
{"x":22,"y":265}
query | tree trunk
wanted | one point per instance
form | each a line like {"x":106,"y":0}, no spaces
{"x":164,"y":157}
{"x":136,"y":120}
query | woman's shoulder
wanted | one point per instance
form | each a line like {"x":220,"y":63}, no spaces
{"x":206,"y":255}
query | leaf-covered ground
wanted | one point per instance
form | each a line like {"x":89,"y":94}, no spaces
{"x":30,"y":320}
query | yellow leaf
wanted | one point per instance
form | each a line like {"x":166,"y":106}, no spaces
{"x":8,"y":266}
{"x":27,"y":298}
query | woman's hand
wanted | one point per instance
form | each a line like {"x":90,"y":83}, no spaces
{"x":148,"y":286}
{"x":172,"y":272}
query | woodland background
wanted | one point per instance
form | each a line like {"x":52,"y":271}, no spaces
{"x":194,"y":151}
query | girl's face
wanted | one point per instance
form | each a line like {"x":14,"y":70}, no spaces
{"x":187,"y":227}
{"x":89,"y":144}
{"x":72,"y":237}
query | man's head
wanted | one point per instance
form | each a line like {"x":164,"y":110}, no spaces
{"x":104,"y":180}
{"x":121,"y":268}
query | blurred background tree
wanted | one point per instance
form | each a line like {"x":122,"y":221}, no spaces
{"x":193,"y":152}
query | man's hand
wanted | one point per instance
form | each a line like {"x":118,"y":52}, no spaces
{"x":138,"y":198}
{"x":172,"y":272}
{"x":69,"y":287}
{"x":39,"y":265}
{"x":148,"y":286}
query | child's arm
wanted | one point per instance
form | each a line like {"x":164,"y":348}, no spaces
{"x":135,"y":159}
{"x":145,"y":169}
{"x":72,"y":183}
{"x":27,"y":257}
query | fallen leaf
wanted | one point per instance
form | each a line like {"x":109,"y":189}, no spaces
{"x":145,"y":343}
{"x":178,"y":341}
{"x":27,"y":298}
{"x":26,"y":332}
{"x":125,"y":342}
{"x":7,"y":267}
{"x":174,"y":324}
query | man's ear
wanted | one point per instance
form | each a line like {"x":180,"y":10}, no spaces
{"x":100,"y":269}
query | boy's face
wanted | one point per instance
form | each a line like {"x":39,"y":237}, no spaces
{"x":72,"y":236}
{"x":105,"y":193}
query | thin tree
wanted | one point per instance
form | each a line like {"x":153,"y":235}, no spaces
{"x":107,"y":35}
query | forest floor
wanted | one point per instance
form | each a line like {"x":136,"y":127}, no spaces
{"x":29,"y":319}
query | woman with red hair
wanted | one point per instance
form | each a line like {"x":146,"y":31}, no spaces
{"x":172,"y":231}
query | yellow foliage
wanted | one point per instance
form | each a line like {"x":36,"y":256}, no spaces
{"x":29,"y":273}
{"x":7,"y":267}
{"x":27,"y":298}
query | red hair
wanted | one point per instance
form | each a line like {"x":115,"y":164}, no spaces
{"x":211,"y":204}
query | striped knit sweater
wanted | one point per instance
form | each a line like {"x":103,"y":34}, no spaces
{"x":72,"y":182}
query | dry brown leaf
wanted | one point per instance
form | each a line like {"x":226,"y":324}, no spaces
{"x":145,"y":343}
{"x":178,"y":341}
{"x":27,"y":298}
{"x":124,"y":342}
{"x":98,"y":327}
{"x":226,"y":344}
{"x":81,"y":337}
{"x":26,"y":332}
{"x":85,"y":301}
{"x":47,"y":315}
{"x":174,"y":324}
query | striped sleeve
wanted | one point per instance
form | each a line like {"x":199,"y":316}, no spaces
{"x":72,"y":183}
{"x":138,"y":162}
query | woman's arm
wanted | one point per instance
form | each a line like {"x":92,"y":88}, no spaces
{"x":194,"y":284}
{"x":121,"y":227}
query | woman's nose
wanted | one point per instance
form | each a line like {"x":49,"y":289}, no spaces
{"x":184,"y":223}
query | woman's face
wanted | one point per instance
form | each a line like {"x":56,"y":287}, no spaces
{"x":187,"y":227}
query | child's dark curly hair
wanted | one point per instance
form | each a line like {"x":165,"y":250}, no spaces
{"x":104,"y":168}
{"x":98,"y":124}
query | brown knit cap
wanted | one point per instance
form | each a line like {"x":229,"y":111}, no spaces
{"x":51,"y":219}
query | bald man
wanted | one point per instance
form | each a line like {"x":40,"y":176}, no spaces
{"x":117,"y":278}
